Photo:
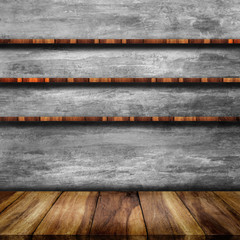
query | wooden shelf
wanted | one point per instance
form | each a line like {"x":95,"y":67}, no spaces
{"x":119,"y":41}
{"x":119,"y":119}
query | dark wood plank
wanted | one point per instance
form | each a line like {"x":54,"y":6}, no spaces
{"x":165,"y":214}
{"x":119,"y":62}
{"x":119,"y":41}
{"x":7,"y":198}
{"x":126,"y":19}
{"x":119,"y":80}
{"x":231,"y":198}
{"x":25,"y":214}
{"x":213,"y":215}
{"x":116,"y":102}
{"x":134,"y":155}
{"x":118,"y":213}
{"x":72,"y":214}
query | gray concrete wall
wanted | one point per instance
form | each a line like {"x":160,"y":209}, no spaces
{"x":120,"y":99}
{"x":120,"y":61}
{"x":119,"y":19}
{"x":119,"y":156}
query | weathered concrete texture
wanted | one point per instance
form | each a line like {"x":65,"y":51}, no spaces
{"x":119,"y":156}
{"x":119,"y":19}
{"x":119,"y":62}
{"x":120,"y":100}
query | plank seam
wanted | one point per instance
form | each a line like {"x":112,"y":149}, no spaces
{"x":94,"y":213}
{"x":191,"y":213}
{"x":12,"y":203}
{"x":46,"y":213}
{"x":226,"y":203}
{"x":140,"y":204}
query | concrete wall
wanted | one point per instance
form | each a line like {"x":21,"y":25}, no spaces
{"x":119,"y":19}
{"x":119,"y":156}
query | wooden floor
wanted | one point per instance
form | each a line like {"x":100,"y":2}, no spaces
{"x":160,"y":215}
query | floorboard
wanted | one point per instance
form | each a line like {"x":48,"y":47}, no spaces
{"x":213,"y":215}
{"x":165,"y":214}
{"x":118,"y":213}
{"x":120,"y":216}
{"x":72,"y":214}
{"x":231,"y":198}
{"x":7,"y":198}
{"x":22,"y":217}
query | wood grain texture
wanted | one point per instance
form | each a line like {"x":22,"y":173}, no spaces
{"x":118,"y":213}
{"x":72,"y":214}
{"x":213,"y":215}
{"x":119,"y":80}
{"x":114,"y":102}
{"x":125,"y":19}
{"x":119,"y":41}
{"x":120,"y":62}
{"x":24,"y":215}
{"x":134,"y":156}
{"x":119,"y":119}
{"x":165,"y":214}
{"x":231,"y":198}
{"x":7,"y":198}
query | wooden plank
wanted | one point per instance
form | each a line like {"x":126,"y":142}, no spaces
{"x":119,"y":41}
{"x":165,"y":214}
{"x":105,"y":19}
{"x":119,"y":80}
{"x":24,"y":215}
{"x":213,"y":215}
{"x":111,"y":101}
{"x":72,"y":214}
{"x":7,"y":198}
{"x":120,"y":62}
{"x":134,"y":155}
{"x":119,"y":119}
{"x":118,"y":213}
{"x":231,"y":198}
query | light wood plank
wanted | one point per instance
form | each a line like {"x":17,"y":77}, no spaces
{"x":24,"y":215}
{"x":72,"y":214}
{"x":118,"y":213}
{"x":165,"y":214}
{"x":213,"y":215}
{"x":231,"y":198}
{"x":6,"y":198}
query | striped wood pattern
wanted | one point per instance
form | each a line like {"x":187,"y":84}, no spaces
{"x":72,"y":214}
{"x":119,"y":41}
{"x":119,"y":80}
{"x":184,"y":215}
{"x":25,"y":214}
{"x":231,"y":198}
{"x":166,"y":208}
{"x":119,"y":119}
{"x":213,"y":215}
{"x":7,"y":198}
{"x":118,"y":213}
